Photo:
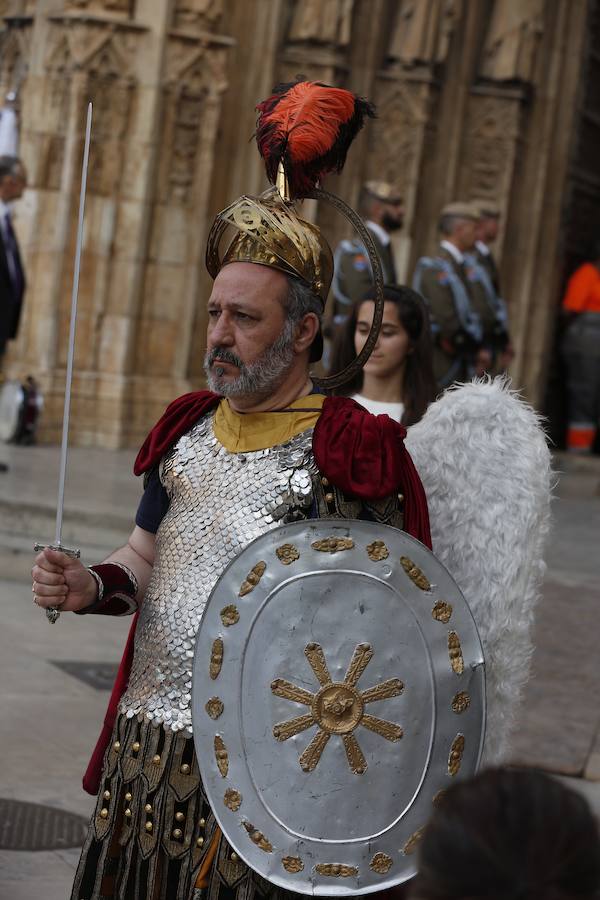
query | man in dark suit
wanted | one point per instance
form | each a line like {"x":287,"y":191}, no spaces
{"x":13,"y":180}
{"x":383,"y":211}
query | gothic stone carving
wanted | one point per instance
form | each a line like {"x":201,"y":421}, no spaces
{"x":196,"y":76}
{"x":111,"y":94}
{"x":322,"y":21}
{"x":17,"y":8}
{"x":103,"y":55}
{"x":492,"y":133}
{"x":123,"y":7}
{"x":197,"y":15}
{"x":15,"y":43}
{"x":512,"y":39}
{"x":317,"y":41}
{"x":422,"y":31}
{"x":397,"y":138}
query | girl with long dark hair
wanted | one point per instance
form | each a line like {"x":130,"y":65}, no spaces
{"x":398,"y":377}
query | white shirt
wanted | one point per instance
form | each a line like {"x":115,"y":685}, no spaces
{"x":453,"y":251}
{"x":378,"y":407}
{"x":483,"y":248}
{"x":380,"y":232}
{"x":9,"y":132}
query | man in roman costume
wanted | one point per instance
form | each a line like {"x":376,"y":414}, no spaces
{"x":265,"y":446}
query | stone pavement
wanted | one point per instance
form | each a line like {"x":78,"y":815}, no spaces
{"x":101,"y":496}
{"x":560,"y":717}
{"x":49,"y":719}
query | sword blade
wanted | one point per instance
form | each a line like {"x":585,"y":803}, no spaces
{"x":71,"y":352}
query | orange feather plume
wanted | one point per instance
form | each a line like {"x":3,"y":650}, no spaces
{"x":308,"y":127}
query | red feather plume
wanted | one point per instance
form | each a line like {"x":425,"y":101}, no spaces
{"x":308,"y":127}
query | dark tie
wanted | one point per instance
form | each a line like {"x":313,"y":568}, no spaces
{"x":12,"y":252}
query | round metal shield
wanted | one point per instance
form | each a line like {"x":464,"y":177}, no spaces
{"x":338,"y":689}
{"x":11,"y":402}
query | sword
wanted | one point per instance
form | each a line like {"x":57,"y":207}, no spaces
{"x":52,"y":612}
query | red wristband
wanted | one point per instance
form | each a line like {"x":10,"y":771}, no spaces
{"x":117,"y":590}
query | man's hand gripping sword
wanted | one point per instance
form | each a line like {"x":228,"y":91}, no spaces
{"x":53,"y":612}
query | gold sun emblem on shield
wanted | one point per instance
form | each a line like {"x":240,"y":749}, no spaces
{"x":337,"y":708}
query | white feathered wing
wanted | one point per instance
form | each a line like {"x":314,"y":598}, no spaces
{"x":485,"y":465}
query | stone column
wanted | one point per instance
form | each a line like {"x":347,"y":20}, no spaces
{"x":172,"y":310}
{"x":532,"y":258}
{"x":155,"y":73}
{"x":407,"y":94}
{"x":317,"y":40}
{"x":492,"y":145}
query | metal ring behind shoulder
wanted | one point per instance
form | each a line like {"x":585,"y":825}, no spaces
{"x":330,"y":382}
{"x":52,"y":613}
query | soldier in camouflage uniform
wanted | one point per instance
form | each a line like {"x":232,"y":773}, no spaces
{"x":493,"y":308}
{"x":454,"y":296}
{"x":383,"y":211}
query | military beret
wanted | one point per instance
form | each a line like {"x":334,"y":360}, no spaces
{"x":461,"y":211}
{"x":487,"y":208}
{"x":383,"y":190}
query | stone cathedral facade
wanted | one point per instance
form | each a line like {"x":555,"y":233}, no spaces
{"x":476,"y":98}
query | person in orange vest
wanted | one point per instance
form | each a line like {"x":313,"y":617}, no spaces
{"x":581,"y":352}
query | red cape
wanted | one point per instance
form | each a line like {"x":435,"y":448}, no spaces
{"x":362,"y":454}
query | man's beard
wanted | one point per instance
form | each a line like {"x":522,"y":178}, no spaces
{"x":259,"y":378}
{"x":391,"y":223}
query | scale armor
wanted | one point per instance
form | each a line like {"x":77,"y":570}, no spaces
{"x":219,"y":502}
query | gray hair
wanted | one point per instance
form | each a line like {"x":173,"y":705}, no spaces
{"x":301,"y":300}
{"x":9,"y":165}
{"x":366,"y":202}
{"x":448,"y":224}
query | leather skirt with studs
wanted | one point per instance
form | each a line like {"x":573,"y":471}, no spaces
{"x":153,"y":835}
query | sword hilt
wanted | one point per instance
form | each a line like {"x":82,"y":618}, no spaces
{"x":52,"y":613}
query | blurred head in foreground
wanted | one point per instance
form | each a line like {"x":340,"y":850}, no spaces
{"x":509,"y":835}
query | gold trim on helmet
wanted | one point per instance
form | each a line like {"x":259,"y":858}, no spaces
{"x":270,"y":233}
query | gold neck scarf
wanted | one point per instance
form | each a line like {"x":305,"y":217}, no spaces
{"x":245,"y":432}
